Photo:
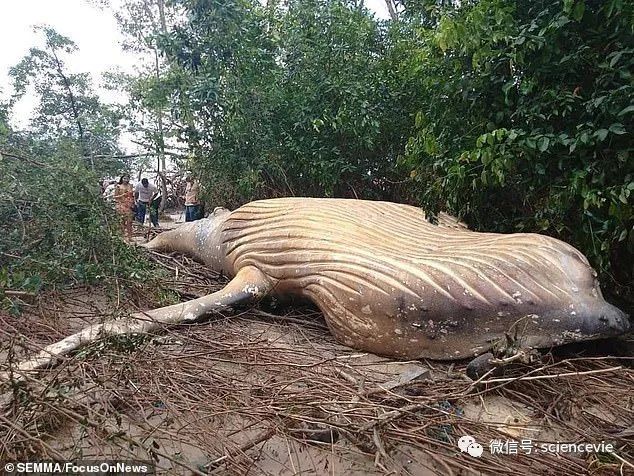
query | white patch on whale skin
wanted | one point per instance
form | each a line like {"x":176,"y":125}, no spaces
{"x":251,"y":289}
{"x":398,"y":331}
{"x":572,"y":336}
{"x":366,"y":309}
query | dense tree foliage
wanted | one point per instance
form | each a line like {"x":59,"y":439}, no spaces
{"x":67,"y":107}
{"x":54,"y":225}
{"x":305,"y":99}
{"x":55,"y":228}
{"x":515,"y":115}
{"x":527,"y":122}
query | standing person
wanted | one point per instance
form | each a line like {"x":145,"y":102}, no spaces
{"x":154,"y":210}
{"x":108,"y":193}
{"x":124,"y":204}
{"x":144,"y":194}
{"x":192,"y":200}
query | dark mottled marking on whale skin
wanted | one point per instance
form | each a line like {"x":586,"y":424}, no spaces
{"x":391,"y":283}
{"x":387,"y":281}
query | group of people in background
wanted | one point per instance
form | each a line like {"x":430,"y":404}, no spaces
{"x":136,"y":201}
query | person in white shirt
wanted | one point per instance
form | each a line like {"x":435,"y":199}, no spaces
{"x":144,"y":193}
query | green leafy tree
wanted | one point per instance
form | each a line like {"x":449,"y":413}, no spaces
{"x":67,"y":108}
{"x":4,"y":122}
{"x":155,"y":117}
{"x":301,"y":100}
{"x":55,"y":228}
{"x":527,"y":122}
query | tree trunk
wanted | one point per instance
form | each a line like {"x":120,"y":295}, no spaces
{"x":159,"y":114}
{"x":163,"y":190}
{"x":391,"y":10}
{"x":74,"y":109}
{"x":161,"y":7}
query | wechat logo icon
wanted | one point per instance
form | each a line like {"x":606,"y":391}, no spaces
{"x":467,"y":444}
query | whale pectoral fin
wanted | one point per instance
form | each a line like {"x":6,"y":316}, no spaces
{"x":248,"y":285}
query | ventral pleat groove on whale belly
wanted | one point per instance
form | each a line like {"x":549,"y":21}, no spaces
{"x":387,"y":280}
{"x":390,"y":282}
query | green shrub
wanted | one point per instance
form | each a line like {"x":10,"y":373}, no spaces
{"x":56,"y":230}
{"x":527,"y":124}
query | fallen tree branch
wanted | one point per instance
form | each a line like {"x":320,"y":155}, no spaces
{"x":245,"y":447}
{"x":544,"y":377}
{"x":10,"y":292}
{"x":25,"y":159}
{"x":126,"y":156}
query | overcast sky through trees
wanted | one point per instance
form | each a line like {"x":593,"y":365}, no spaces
{"x":94,"y":30}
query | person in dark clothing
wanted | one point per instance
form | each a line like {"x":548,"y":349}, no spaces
{"x":154,"y":210}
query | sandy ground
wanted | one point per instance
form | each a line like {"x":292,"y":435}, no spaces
{"x":269,"y":391}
